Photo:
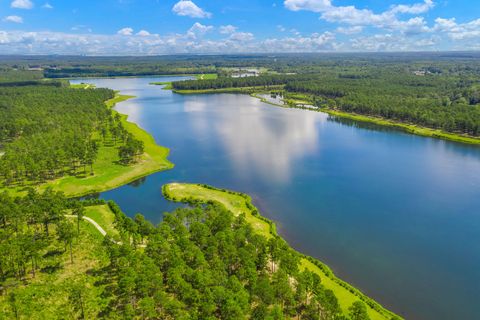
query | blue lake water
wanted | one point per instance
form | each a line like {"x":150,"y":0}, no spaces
{"x":396,"y":215}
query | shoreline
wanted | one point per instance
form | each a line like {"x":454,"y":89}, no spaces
{"x":203,"y":194}
{"x":405,"y":127}
{"x":111,"y":175}
{"x":150,"y":144}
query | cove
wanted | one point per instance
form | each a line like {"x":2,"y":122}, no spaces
{"x":394,"y":214}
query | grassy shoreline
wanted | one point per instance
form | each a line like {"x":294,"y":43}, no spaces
{"x":406,"y":127}
{"x":115,"y":175}
{"x":409,"y":128}
{"x":108,"y":172}
{"x":239,"y":203}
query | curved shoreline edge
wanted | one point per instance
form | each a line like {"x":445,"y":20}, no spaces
{"x":405,"y":127}
{"x":156,"y":155}
{"x":241,"y":203}
{"x":108,"y":174}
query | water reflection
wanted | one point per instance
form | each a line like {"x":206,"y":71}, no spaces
{"x":257,"y":142}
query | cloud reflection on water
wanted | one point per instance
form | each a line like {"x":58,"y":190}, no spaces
{"x":258,"y":141}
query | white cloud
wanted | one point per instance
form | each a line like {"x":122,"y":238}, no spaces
{"x":416,"y":8}
{"x":400,"y":35}
{"x":143,"y":33}
{"x":125,"y":31}
{"x":350,"y":30}
{"x":309,"y":5}
{"x":189,"y":9}
{"x":242,"y":36}
{"x":14,"y":19}
{"x":281,"y":28}
{"x":47,"y":6}
{"x":314,"y":43}
{"x":228,"y":29}
{"x":458,"y":31}
{"x":198,"y":29}
{"x":353,"y":16}
{"x":22,"y":4}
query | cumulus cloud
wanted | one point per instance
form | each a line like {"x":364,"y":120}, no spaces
{"x":408,"y":34}
{"x":458,"y":31}
{"x":22,"y":4}
{"x":190,"y":9}
{"x":125,"y":31}
{"x":14,"y":19}
{"x":416,"y":8}
{"x":198,"y":29}
{"x":228,"y":29}
{"x":143,"y":33}
{"x":354,"y":16}
{"x":242,"y":36}
{"x":309,"y":5}
{"x":47,"y":6}
{"x":350,"y":30}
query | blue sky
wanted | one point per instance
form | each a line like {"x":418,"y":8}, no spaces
{"x":145,"y":27}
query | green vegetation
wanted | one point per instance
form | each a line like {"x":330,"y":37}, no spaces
{"x":202,"y":263}
{"x":46,"y":262}
{"x":71,"y":140}
{"x":168,"y":85}
{"x":240,"y":205}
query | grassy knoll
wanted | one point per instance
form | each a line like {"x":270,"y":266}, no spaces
{"x":109,"y":173}
{"x":239,"y":203}
{"x":46,"y":296}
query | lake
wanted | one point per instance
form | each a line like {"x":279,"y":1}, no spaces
{"x":394,"y":214}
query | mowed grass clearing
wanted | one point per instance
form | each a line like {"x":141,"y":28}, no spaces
{"x":238,"y":204}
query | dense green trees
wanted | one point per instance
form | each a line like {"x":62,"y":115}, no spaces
{"x":48,"y":132}
{"x":448,"y":99}
{"x":204,"y":263}
{"x":199,"y":263}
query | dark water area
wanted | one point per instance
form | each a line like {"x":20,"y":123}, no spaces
{"x":394,"y":214}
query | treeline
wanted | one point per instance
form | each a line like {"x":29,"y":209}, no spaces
{"x":48,"y":132}
{"x":199,"y":263}
{"x":227,"y":82}
{"x":445,"y":97}
{"x":29,"y":226}
{"x":204,"y":263}
{"x":438,"y":102}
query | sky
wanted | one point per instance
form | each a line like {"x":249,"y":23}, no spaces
{"x":153,"y":27}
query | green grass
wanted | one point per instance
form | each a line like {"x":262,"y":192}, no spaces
{"x":46,"y":295}
{"x":239,"y":203}
{"x":207,"y":76}
{"x":108,"y":172}
{"x":234,"y":202}
{"x":104,"y":217}
{"x":82,"y":86}
{"x":410,"y":128}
